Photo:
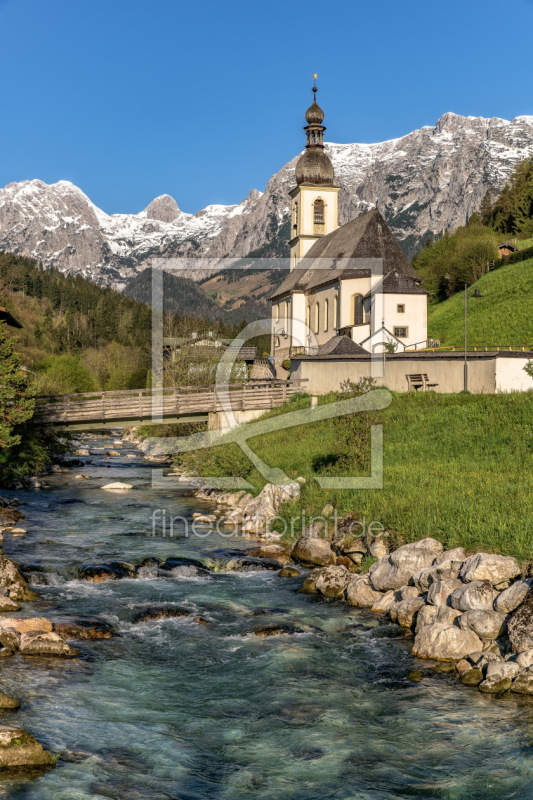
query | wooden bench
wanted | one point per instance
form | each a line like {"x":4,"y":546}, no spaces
{"x":420,"y":382}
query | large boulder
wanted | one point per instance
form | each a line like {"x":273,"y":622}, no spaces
{"x":490,"y":567}
{"x":313,"y":550}
{"x":384,"y":603}
{"x":524,"y":659}
{"x":447,"y":556}
{"x":430,"y":614}
{"x":475,"y":595}
{"x":499,"y":677}
{"x":360,"y":594}
{"x":20,"y":750}
{"x":523,"y":683}
{"x":84,"y":628}
{"x":332,"y":581}
{"x":512,"y":597}
{"x":38,"y":643}
{"x":398,"y":569}
{"x":440,"y":591}
{"x":445,"y":642}
{"x":486,"y":624}
{"x":24,"y":625}
{"x":407,"y":610}
{"x":520,"y":625}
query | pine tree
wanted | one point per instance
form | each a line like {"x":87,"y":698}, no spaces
{"x":15,"y":406}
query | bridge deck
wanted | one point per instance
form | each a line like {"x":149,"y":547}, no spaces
{"x":146,"y":405}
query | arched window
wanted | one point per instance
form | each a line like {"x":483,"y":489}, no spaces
{"x":336,"y":312}
{"x":283,"y":313}
{"x":358,"y":316}
{"x":318,"y":211}
{"x":276,"y":312}
{"x":308,"y":316}
{"x":317,"y":318}
{"x":295,"y":217}
{"x":326,"y":315}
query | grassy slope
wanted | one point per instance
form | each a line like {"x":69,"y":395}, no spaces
{"x":456,"y":467}
{"x":502,"y":317}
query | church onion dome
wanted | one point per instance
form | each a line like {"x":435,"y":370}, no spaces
{"x":314,"y":114}
{"x":314,"y":167}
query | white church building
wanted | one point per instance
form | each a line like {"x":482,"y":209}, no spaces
{"x":349,"y":287}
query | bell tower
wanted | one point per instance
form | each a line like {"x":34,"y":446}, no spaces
{"x":314,"y":208}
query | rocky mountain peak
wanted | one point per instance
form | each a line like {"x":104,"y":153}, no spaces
{"x":163,"y":208}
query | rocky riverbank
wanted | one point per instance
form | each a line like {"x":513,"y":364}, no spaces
{"x":471,"y":612}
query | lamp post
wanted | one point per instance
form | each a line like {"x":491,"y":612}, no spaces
{"x":477,"y":295}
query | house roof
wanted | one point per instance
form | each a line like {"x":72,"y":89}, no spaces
{"x":396,"y":282}
{"x":329,"y":259}
{"x":340,"y":346}
{"x":508,"y":246}
{"x":8,"y":318}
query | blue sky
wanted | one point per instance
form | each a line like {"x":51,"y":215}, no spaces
{"x":205,"y":100}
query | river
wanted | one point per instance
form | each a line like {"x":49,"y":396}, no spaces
{"x":181,"y":710}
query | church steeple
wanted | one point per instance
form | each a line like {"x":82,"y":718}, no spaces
{"x":314,"y":199}
{"x":314,"y":166}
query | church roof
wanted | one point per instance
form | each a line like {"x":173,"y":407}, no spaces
{"x":366,"y":236}
{"x":340,"y":346}
{"x":397,"y":283}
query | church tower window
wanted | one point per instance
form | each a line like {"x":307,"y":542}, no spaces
{"x":317,"y":318}
{"x":319,"y":218}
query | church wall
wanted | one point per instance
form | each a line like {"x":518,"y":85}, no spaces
{"x":485,"y":376}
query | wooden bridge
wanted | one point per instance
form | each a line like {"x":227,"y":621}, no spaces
{"x":168,"y":405}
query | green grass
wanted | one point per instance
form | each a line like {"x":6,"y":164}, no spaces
{"x":501,"y":317}
{"x":456,"y":467}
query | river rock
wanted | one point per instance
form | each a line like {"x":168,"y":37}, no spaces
{"x":148,"y":569}
{"x":429,"y":614}
{"x":509,"y":600}
{"x":84,"y":628}
{"x":275,"y":630}
{"x":9,"y":640}
{"x":7,"y":604}
{"x":471,"y":677}
{"x":20,"y":750}
{"x":289,"y":572}
{"x":309,"y":584}
{"x":475,"y":595}
{"x":160,"y":612}
{"x":312,"y":550}
{"x":398,"y":569}
{"x":486,"y":624}
{"x":14,"y":584}
{"x":499,"y":677}
{"x":117,"y":486}
{"x":523,"y":683}
{"x":82,"y":451}
{"x":445,"y":642}
{"x":407,"y":610}
{"x":490,"y":567}
{"x":37,"y":643}
{"x":440,"y":592}
{"x":351,"y":544}
{"x":111,"y":571}
{"x":23,"y":625}
{"x":385,"y":601}
{"x":520,"y":625}
{"x":332,"y":581}
{"x":359,"y":592}
{"x":8,"y":703}
{"x":525,"y":659}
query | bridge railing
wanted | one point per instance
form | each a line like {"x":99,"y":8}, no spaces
{"x":142,"y":404}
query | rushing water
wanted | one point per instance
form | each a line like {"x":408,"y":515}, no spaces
{"x":175,"y":709}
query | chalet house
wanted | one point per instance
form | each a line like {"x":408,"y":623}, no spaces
{"x":352,"y":280}
{"x":506,"y":248}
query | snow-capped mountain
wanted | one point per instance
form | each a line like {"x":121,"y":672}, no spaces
{"x":425,"y":182}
